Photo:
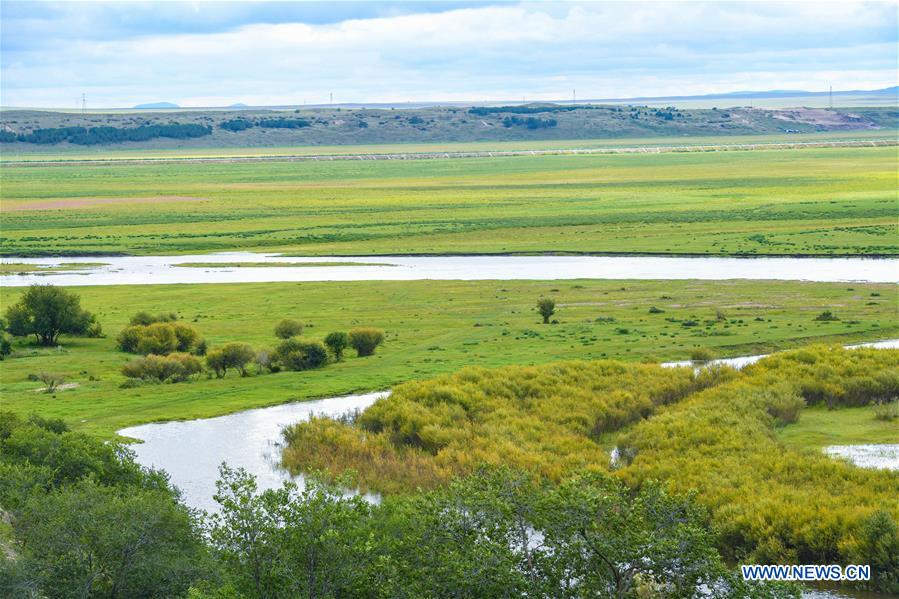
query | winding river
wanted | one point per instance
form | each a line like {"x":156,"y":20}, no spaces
{"x":163,"y":270}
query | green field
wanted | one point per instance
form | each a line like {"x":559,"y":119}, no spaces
{"x":820,"y":427}
{"x":830,"y":201}
{"x":433,"y":327}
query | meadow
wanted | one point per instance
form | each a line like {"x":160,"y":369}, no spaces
{"x":815,"y":201}
{"x":432,"y":327}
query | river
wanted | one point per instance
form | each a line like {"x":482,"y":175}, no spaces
{"x":165,"y":270}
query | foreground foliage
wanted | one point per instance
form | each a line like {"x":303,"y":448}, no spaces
{"x":713,"y":432}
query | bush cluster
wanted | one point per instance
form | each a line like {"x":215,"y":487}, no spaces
{"x":159,"y":338}
{"x":171,"y":368}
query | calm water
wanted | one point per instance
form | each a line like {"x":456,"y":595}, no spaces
{"x":144,"y":270}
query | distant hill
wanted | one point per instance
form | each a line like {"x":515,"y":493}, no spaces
{"x":153,"y":105}
{"x":254,"y":127}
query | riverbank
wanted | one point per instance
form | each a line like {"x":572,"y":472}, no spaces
{"x":433,"y":327}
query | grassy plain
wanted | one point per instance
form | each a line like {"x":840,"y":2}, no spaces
{"x":433,"y":327}
{"x":820,"y":427}
{"x":124,"y":152}
{"x":822,"y":201}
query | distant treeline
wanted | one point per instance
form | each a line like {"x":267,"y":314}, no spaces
{"x":488,"y":110}
{"x":530,"y":122}
{"x":274,"y":123}
{"x":84,"y":136}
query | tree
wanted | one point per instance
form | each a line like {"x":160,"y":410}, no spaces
{"x":89,"y":540}
{"x":300,"y":354}
{"x":51,"y":381}
{"x":547,"y":308}
{"x":160,"y":338}
{"x":337,"y":342}
{"x":5,"y":345}
{"x":288,"y":328}
{"x":365,"y":339}
{"x":47,"y":312}
{"x":230,"y":355}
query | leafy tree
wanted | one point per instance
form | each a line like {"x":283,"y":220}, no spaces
{"x":546,"y":307}
{"x":286,"y":543}
{"x":47,"y":312}
{"x":89,"y":540}
{"x":337,"y":342}
{"x":230,"y":355}
{"x":160,"y":338}
{"x":5,"y":345}
{"x":300,"y":354}
{"x":365,"y":339}
{"x":288,"y":328}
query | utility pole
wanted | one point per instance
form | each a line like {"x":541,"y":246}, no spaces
{"x":83,"y":102}
{"x":830,"y":96}
{"x":574,"y":96}
{"x":331,"y":96}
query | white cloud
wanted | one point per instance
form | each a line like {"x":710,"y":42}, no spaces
{"x":540,"y":50}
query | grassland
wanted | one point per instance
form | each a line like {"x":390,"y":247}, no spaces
{"x":819,"y":427}
{"x":23,"y":267}
{"x":829,"y":201}
{"x":433,"y":327}
{"x":118,"y":153}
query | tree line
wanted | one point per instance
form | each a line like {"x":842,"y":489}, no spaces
{"x":85,"y":136}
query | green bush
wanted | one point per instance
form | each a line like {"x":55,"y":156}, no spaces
{"x":159,"y":338}
{"x":145,"y":318}
{"x":172,"y":368}
{"x":365,"y":339}
{"x":230,"y":355}
{"x":288,"y":328}
{"x":546,"y":307}
{"x":301,"y":354}
{"x":701,"y":354}
{"x":337,"y":342}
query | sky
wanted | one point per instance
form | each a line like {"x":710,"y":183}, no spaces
{"x":289,"y":53}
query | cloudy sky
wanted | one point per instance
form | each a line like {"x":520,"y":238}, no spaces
{"x":275,"y":53}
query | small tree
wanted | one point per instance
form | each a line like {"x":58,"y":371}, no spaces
{"x":337,"y":342}
{"x":51,"y":381}
{"x":47,"y":312}
{"x":230,"y":355}
{"x":5,"y":345}
{"x":365,"y":339}
{"x":299,"y":354}
{"x":288,"y":328}
{"x":547,"y":308}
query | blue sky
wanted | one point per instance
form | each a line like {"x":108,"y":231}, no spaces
{"x":266,"y":53}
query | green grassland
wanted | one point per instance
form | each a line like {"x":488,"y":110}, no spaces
{"x":433,"y":327}
{"x":126,"y":152}
{"x":820,"y":427}
{"x":23,"y":267}
{"x":821,"y":201}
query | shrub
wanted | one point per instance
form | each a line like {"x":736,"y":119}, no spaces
{"x":159,"y":338}
{"x":51,"y":381}
{"x":47,"y":312}
{"x":887,"y":411}
{"x":826,"y":316}
{"x":300,"y":354}
{"x":337,"y":342}
{"x":145,"y":318}
{"x":230,"y":355}
{"x":365,"y":340}
{"x":701,"y":354}
{"x":654,"y":310}
{"x":173,"y":368}
{"x":5,"y":346}
{"x":546,"y":307}
{"x":288,"y":328}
